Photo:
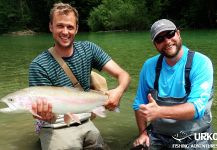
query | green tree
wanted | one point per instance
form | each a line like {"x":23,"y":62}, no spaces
{"x":211,"y":7}
{"x":14,"y":15}
{"x":40,"y":14}
{"x":118,"y":15}
{"x":84,"y":7}
{"x":189,"y":14}
{"x":109,"y":14}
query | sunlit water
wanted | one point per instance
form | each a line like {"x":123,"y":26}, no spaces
{"x":130,"y":50}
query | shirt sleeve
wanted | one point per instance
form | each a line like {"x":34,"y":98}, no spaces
{"x":100,"y":57}
{"x":201,"y":77}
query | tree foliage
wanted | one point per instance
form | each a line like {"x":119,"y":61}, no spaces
{"x":118,"y":15}
{"x":109,"y":14}
{"x":140,"y":14}
{"x":14,"y":14}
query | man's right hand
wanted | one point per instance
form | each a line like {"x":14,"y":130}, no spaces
{"x":43,"y":108}
{"x":143,"y":139}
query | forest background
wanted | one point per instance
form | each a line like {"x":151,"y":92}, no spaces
{"x":107,"y":15}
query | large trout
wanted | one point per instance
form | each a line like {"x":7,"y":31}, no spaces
{"x":64,"y":100}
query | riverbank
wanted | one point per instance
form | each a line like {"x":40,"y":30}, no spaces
{"x":23,"y":32}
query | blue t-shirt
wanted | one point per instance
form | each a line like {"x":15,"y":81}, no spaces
{"x":172,"y":81}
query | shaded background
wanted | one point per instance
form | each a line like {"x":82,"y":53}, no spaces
{"x":104,"y":15}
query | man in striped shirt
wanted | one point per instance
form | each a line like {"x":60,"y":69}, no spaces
{"x":81,"y":57}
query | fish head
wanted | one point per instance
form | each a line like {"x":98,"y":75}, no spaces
{"x":16,"y":102}
{"x":11,"y":107}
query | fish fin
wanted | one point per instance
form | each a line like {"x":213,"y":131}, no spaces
{"x":100,"y":111}
{"x":117,"y":109}
{"x":76,"y":118}
{"x":69,"y":117}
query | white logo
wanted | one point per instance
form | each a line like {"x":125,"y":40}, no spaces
{"x":204,"y":85}
{"x":181,"y":135}
{"x":197,"y":136}
{"x":205,"y":136}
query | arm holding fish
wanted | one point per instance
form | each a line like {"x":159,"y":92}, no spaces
{"x":123,"y":79}
{"x":41,"y":109}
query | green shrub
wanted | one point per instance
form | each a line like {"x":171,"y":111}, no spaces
{"x":118,"y":15}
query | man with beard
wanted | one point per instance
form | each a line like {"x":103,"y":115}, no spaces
{"x":81,"y":57}
{"x":174,"y":95}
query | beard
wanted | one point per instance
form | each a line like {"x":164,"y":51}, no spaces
{"x":178,"y":47}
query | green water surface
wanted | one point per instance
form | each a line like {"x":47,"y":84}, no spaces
{"x":129,"y":49}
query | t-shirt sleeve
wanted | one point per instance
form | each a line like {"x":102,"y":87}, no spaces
{"x":99,"y":57}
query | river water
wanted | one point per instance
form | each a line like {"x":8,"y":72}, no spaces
{"x":130,"y":50}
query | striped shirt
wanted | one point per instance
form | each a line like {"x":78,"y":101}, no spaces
{"x":45,"y":70}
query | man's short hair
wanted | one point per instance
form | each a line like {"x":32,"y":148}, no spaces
{"x":63,"y":8}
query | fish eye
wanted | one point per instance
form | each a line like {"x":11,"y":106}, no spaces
{"x":10,"y":99}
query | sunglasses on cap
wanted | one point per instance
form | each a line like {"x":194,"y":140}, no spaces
{"x":169,"y":34}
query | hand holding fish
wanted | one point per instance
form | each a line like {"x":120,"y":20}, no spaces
{"x":43,"y":109}
{"x":150,"y":111}
{"x":114,"y":97}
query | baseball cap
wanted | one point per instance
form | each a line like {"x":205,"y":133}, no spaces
{"x":160,"y":26}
